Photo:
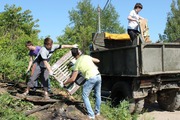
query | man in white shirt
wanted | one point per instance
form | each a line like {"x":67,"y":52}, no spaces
{"x":133,"y":21}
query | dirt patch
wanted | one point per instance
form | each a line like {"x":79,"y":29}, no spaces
{"x":153,"y":112}
{"x":65,"y":107}
{"x":61,"y":106}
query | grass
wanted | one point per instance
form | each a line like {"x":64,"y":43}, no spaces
{"x":12,"y":109}
{"x":120,"y":112}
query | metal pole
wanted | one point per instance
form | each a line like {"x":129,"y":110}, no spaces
{"x":99,"y":19}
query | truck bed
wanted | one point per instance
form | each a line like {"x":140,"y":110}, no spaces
{"x":140,"y":60}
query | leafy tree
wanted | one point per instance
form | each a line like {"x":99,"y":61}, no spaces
{"x":14,"y":23}
{"x":109,"y":20}
{"x":16,"y":27}
{"x":172,"y":30}
{"x":84,"y":21}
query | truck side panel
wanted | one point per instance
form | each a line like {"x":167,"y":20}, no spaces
{"x":140,"y":60}
{"x":160,"y":58}
{"x":121,"y":61}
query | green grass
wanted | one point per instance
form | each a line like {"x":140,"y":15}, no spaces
{"x":12,"y":109}
{"x":120,"y":112}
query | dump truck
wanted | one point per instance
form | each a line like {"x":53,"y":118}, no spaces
{"x":141,"y":73}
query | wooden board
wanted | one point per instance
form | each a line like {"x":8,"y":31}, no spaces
{"x":145,"y":30}
{"x":38,"y":99}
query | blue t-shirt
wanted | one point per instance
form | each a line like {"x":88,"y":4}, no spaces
{"x":35,"y":52}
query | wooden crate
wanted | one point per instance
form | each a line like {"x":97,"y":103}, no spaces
{"x":62,"y":71}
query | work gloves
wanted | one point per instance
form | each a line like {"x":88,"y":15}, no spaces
{"x":51,"y":73}
{"x":27,"y":72}
{"x":61,"y":84}
{"x":75,"y":46}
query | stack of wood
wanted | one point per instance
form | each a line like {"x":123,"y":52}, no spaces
{"x":145,"y":30}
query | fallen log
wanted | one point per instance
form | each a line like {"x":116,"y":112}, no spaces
{"x":36,"y":99}
{"x":37,"y":109}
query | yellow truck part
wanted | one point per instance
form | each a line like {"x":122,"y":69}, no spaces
{"x":111,"y":36}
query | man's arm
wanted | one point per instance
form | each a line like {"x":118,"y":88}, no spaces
{"x":95,"y":60}
{"x":73,"y":78}
{"x":69,"y":46}
{"x":131,"y":18}
{"x":30,"y":63}
{"x":48,"y":67}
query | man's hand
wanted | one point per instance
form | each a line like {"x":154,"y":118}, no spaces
{"x":61,"y":84}
{"x":27,"y":71}
{"x":51,"y":73}
{"x":75,"y":46}
{"x":138,"y":21}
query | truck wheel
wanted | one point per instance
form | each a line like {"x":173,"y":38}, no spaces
{"x":121,"y":91}
{"x":168,"y":100}
{"x":139,"y":105}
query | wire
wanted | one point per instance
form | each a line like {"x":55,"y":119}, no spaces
{"x":107,"y":4}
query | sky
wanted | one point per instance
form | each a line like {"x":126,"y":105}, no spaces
{"x":53,"y":15}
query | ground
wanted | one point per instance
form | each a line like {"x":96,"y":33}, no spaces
{"x":65,"y":107}
{"x":61,"y":106}
{"x":155,"y":113}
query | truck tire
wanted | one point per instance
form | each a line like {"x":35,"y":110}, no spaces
{"x":168,"y":100}
{"x":122,"y":91}
{"x":139,"y":105}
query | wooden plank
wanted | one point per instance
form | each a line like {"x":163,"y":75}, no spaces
{"x":29,"y":112}
{"x":38,"y":99}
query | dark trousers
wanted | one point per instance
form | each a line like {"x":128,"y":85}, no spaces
{"x":133,"y":35}
{"x":41,"y":73}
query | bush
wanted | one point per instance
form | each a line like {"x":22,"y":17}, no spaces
{"x":12,"y":109}
{"x":118,"y":113}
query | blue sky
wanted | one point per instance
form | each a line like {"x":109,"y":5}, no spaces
{"x":54,"y":17}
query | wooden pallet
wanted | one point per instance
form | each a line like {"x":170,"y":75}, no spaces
{"x":62,"y":71}
{"x":144,"y":29}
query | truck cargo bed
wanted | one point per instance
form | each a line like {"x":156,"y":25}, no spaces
{"x":140,"y":60}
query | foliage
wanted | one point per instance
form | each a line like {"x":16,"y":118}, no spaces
{"x":119,"y":113}
{"x":172,"y":30}
{"x":109,"y":20}
{"x":14,"y":23}
{"x":81,"y":26}
{"x":16,"y":27}
{"x":12,"y":109}
{"x":84,"y":22}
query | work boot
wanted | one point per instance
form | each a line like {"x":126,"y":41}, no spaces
{"x":46,"y":96}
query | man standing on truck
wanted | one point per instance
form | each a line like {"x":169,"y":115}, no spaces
{"x":85,"y":65}
{"x":33,"y":52}
{"x":43,"y":68}
{"x":133,"y":21}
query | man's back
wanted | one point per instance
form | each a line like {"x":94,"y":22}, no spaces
{"x":85,"y":65}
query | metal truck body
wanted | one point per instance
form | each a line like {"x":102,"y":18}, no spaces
{"x":144,"y":71}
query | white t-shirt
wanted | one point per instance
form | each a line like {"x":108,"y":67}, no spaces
{"x":133,"y":24}
{"x":45,"y":54}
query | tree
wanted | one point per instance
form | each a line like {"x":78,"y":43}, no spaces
{"x":109,"y":20}
{"x":84,"y":21}
{"x":82,"y":25}
{"x":172,"y":30}
{"x":16,"y":27}
{"x":14,"y":23}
